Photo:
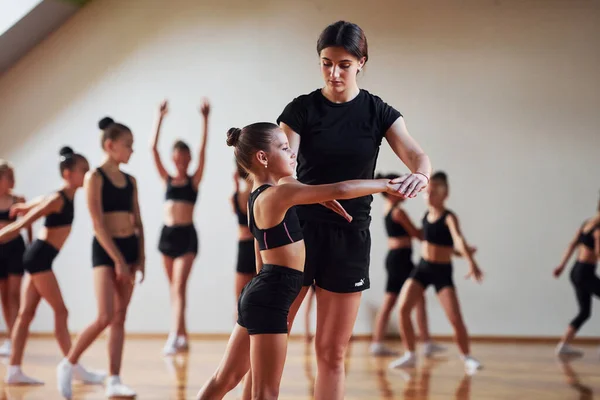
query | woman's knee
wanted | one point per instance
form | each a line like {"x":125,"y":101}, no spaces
{"x":331,"y":354}
{"x":119,"y":317}
{"x":26,"y":314}
{"x":265,"y":394}
{"x":104,"y":319}
{"x":61,"y":313}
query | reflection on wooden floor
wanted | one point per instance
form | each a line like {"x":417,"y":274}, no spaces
{"x":512,"y":371}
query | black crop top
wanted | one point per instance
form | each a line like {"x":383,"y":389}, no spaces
{"x":286,"y":232}
{"x":5,"y":215}
{"x":64,"y":217}
{"x":393,"y":228}
{"x":181,"y":193}
{"x":437,"y":232}
{"x":115,"y":198}
{"x":242,"y":218}
{"x":587,"y":238}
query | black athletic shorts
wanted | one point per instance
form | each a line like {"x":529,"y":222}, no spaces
{"x":399,"y":266}
{"x":175,"y":241}
{"x":438,"y":275}
{"x":265,"y":302}
{"x":11,"y":257}
{"x":39,"y":257}
{"x":337,"y":258}
{"x":128,"y":246}
{"x":246,"y":258}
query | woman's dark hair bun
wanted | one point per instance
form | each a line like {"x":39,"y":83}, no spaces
{"x":233,"y":135}
{"x":66,"y":151}
{"x":105,"y":122}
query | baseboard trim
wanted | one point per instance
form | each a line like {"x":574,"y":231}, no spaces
{"x":361,"y":337}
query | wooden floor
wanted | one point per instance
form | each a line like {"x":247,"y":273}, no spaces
{"x":512,"y":371}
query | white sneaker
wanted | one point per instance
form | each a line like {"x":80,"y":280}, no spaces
{"x":430,"y":348}
{"x":379,"y":349}
{"x":114,"y":388}
{"x":170,"y":346}
{"x":568,"y":351}
{"x":14,"y":376}
{"x":181,"y":344}
{"x":471,"y":365}
{"x":64,"y":378}
{"x":408,"y":360}
{"x":6,"y":348}
{"x":87,"y":377}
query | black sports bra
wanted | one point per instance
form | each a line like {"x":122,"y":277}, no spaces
{"x":437,"y":232}
{"x":181,"y":193}
{"x":393,"y":228}
{"x":286,"y":232}
{"x":242,"y":218}
{"x":115,"y":198}
{"x":587,"y":238}
{"x":64,"y":217}
{"x":5,"y":215}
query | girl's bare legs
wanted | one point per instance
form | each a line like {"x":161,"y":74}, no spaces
{"x":234,"y":365}
{"x":10,"y":295}
{"x":307,"y":315}
{"x":383,"y":317}
{"x":104,"y":285}
{"x":331,"y":340}
{"x":31,"y":299}
{"x":410,"y":295}
{"x":180,"y":269}
{"x":429,"y":346}
{"x":267,"y":358}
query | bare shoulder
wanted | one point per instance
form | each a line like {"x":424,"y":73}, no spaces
{"x":451,"y":218}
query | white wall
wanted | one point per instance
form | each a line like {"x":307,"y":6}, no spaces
{"x":13,"y":10}
{"x":502,"y":95}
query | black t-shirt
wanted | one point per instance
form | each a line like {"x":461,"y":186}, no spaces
{"x":338,"y":142}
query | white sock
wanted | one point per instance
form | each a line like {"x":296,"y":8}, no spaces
{"x":181,"y":341}
{"x":114,"y":380}
{"x":13,"y":369}
{"x":407,"y":360}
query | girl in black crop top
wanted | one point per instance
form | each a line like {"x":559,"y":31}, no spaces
{"x":441,"y":233}
{"x":262,"y":149}
{"x":583,"y":277}
{"x":178,"y":241}
{"x":401,"y":230}
{"x":246,"y":260}
{"x":41,"y":281}
{"x":11,"y":253}
{"x":117,"y":255}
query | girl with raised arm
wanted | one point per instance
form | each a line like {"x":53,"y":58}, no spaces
{"x":178,"y":242}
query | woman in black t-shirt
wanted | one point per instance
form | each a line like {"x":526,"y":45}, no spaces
{"x":336,"y":132}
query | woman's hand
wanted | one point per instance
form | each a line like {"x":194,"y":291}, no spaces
{"x":410,"y":184}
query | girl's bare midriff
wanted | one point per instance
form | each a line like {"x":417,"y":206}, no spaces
{"x":244,"y":233}
{"x":399,"y":243}
{"x":178,"y":213}
{"x":586,"y":255}
{"x":291,"y":256}
{"x":436,"y":254}
{"x":119,"y":224}
{"x":55,"y":237}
